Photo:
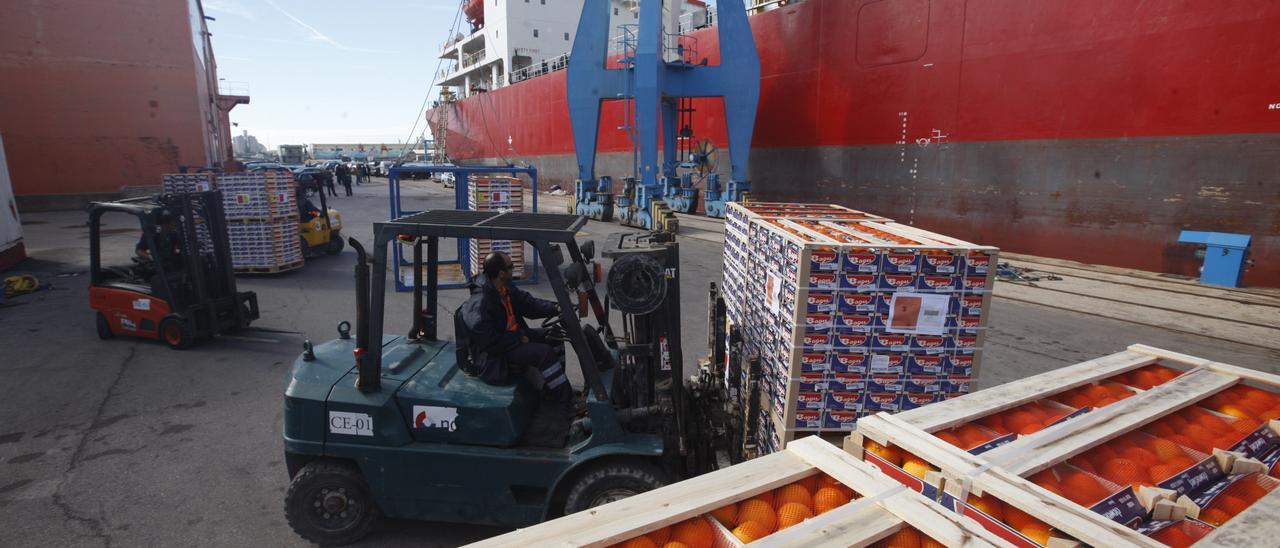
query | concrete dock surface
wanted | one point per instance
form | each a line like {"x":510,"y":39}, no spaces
{"x":125,"y":442}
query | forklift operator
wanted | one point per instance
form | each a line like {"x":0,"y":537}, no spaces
{"x":500,"y":343}
{"x":168,"y":240}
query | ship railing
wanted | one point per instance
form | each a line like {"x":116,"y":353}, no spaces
{"x":226,"y":87}
{"x":472,"y":58}
{"x":682,"y":48}
{"x":697,"y":19}
{"x":546,"y":66}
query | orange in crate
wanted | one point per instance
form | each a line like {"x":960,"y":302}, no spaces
{"x":1214,"y":517}
{"x":758,"y":511}
{"x":659,"y":536}
{"x":678,"y":544}
{"x":989,"y":506}
{"x":792,"y":493}
{"x":792,"y":513}
{"x":1082,"y":489}
{"x":916,"y":466}
{"x":1038,"y":534}
{"x":1245,"y":426}
{"x":639,"y":542}
{"x":1079,"y":461}
{"x":1097,"y":392}
{"x":1117,"y":390}
{"x":1230,"y":505}
{"x":1174,"y":536}
{"x":1181,"y":463}
{"x":1212,"y":422}
{"x":927,"y":542}
{"x":1184,"y":441}
{"x":1020,"y":520}
{"x":1160,"y":429}
{"x":1161,"y":472}
{"x":1018,"y":420}
{"x":995,"y":423}
{"x":827,"y":499}
{"x":825,"y":480}
{"x":972,"y":436}
{"x":810,"y":483}
{"x":1100,"y":455}
{"x":906,"y":537}
{"x":951,"y":439}
{"x":751,"y":531}
{"x":696,"y":532}
{"x":1125,"y":472}
{"x":1164,"y":449}
{"x":1141,"y":456}
{"x":891,"y":454}
{"x":1237,"y":411}
{"x":727,"y":515}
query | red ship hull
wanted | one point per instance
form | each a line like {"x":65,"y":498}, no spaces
{"x":1091,"y":130}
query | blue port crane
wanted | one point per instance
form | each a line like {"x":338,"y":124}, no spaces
{"x":654,"y":70}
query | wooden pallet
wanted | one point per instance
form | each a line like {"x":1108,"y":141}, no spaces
{"x":999,"y":471}
{"x":269,"y":269}
{"x":884,"y":508}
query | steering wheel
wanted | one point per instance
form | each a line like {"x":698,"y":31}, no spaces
{"x":554,"y":327}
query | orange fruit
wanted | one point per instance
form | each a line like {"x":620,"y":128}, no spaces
{"x":1212,"y":422}
{"x":927,"y":542}
{"x":988,"y":505}
{"x":1198,"y":433}
{"x":1237,"y":411}
{"x":1125,"y":471}
{"x":1080,"y":462}
{"x":639,"y":542}
{"x":1143,"y":379}
{"x":792,"y":513}
{"x":825,"y":480}
{"x":1037,"y":533}
{"x":1117,"y":390}
{"x":1075,"y":399}
{"x":1182,"y":440}
{"x":1174,"y":536}
{"x":1016,"y":420}
{"x":766,"y":496}
{"x":1175,"y":422}
{"x":1161,"y":472}
{"x":972,"y":436}
{"x":1020,"y":520}
{"x":1160,"y":429}
{"x":794,"y":492}
{"x":1181,"y":463}
{"x":951,"y":439}
{"x":891,"y":454}
{"x":906,"y":537}
{"x":1100,"y":454}
{"x":1249,"y":490}
{"x":810,"y":483}
{"x":1269,"y":415}
{"x":659,"y":536}
{"x":677,"y":544}
{"x":916,"y":467}
{"x":1029,"y":428}
{"x":1082,"y":489}
{"x":750,"y":531}
{"x":696,"y":532}
{"x":1214,"y":517}
{"x":1253,"y":407}
{"x":758,"y":511}
{"x":827,"y":499}
{"x":994,"y":422}
{"x":1140,"y":456}
{"x":726,"y":515}
{"x":1245,"y":426}
{"x":1164,"y":448}
{"x":1097,"y":392}
{"x":1230,"y":504}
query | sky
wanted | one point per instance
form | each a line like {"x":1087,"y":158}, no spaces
{"x":329,"y":71}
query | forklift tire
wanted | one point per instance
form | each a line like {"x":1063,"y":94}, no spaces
{"x":613,"y":481}
{"x":330,"y":504}
{"x":104,"y":328}
{"x":335,"y":244}
{"x":176,"y":333}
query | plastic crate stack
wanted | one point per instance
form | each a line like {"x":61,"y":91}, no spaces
{"x":186,"y":183}
{"x":262,"y":221}
{"x":496,"y":194}
{"x":851,"y":314}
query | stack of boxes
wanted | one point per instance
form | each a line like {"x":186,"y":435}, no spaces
{"x":851,"y":314}
{"x":496,"y":194}
{"x":185,"y":183}
{"x":262,"y":221}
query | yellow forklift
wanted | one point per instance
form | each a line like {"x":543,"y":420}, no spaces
{"x":320,"y":228}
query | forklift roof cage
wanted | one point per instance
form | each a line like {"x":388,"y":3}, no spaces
{"x":542,"y":231}
{"x":462,"y":176}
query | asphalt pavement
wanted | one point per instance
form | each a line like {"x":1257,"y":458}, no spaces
{"x":126,"y":442}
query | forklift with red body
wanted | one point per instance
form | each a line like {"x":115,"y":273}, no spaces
{"x":180,"y":286}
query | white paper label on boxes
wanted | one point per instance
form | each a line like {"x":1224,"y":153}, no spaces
{"x":918,"y":313}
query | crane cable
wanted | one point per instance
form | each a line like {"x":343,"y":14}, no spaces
{"x":408,"y":142}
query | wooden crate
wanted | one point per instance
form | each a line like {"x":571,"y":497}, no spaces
{"x":884,"y":508}
{"x":1000,"y":471}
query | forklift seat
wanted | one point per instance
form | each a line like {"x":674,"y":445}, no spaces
{"x":476,"y":413}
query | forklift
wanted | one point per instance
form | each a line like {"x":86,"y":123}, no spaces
{"x":377,"y":424}
{"x":180,"y":286}
{"x":320,"y":228}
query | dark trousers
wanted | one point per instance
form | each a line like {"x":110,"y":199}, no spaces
{"x":547,"y":359}
{"x":346,"y":183}
{"x":332,"y":191}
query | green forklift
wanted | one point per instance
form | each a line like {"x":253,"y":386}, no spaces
{"x":388,"y":425}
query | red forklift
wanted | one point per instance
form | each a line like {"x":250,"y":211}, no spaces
{"x":178,"y":285}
